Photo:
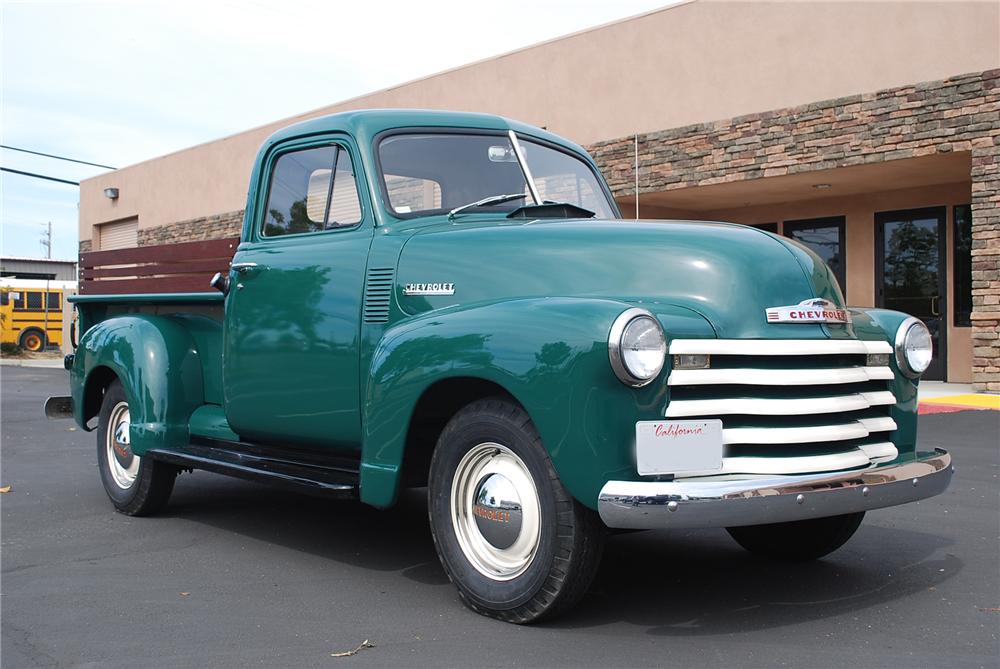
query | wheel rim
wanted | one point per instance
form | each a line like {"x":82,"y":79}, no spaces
{"x":122,"y":463}
{"x":33,"y":343}
{"x":495,"y":511}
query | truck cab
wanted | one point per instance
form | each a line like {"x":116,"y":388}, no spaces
{"x":453,"y":301}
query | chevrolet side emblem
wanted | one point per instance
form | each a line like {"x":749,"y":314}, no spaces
{"x":429,"y":289}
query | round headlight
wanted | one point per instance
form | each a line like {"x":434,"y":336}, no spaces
{"x":637,"y":347}
{"x":914,"y":347}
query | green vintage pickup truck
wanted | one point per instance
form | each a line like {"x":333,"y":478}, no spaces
{"x":453,"y":301}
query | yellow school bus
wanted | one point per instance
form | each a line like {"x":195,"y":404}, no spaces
{"x":31,"y":312}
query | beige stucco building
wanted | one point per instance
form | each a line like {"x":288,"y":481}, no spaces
{"x":855,"y":127}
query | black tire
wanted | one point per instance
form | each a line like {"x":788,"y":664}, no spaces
{"x":570,"y":537}
{"x":32,"y":339}
{"x":153,"y":481}
{"x":798,"y":541}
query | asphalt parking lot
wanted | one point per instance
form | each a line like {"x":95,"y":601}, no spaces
{"x":235,"y":574}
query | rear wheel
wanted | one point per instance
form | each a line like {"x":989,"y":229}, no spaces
{"x":798,"y":541}
{"x":32,"y":340}
{"x":137,"y":486}
{"x":511,"y":538}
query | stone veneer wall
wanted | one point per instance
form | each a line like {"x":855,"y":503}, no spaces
{"x":218,"y":226}
{"x":961,"y":113}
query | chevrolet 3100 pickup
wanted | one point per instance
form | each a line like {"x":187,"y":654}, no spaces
{"x":453,"y":301}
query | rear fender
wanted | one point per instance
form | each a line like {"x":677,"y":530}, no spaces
{"x":158,"y":364}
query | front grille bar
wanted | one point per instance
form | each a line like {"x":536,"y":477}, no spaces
{"x":858,"y":429}
{"x":779,"y":407}
{"x":778,"y":377}
{"x":778,"y":346}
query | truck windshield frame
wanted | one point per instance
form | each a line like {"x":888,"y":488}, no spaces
{"x":473,"y":164}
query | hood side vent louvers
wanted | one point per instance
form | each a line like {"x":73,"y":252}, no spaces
{"x":378,"y":293}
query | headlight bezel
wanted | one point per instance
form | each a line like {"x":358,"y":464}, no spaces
{"x":899,"y":347}
{"x":615,"y":353}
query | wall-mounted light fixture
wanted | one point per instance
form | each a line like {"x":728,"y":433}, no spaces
{"x":111,"y":193}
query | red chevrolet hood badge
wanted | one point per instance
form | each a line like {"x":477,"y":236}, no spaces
{"x":813,"y":310}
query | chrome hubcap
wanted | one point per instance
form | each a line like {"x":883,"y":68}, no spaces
{"x":122,"y":463}
{"x":498,"y":511}
{"x":495,"y":511}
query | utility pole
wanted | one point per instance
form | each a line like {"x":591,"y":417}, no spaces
{"x":47,"y":241}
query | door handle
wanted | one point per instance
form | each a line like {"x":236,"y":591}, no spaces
{"x":934,"y":306}
{"x":243,"y":267}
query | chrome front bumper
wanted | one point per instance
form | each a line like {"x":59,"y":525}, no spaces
{"x":773,"y":499}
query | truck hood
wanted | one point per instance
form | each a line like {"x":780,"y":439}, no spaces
{"x":730,"y":274}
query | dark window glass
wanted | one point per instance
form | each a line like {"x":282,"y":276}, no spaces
{"x":53,"y":299}
{"x":826,"y":238}
{"x":17,"y":297}
{"x":768,"y":227}
{"x":962,"y":265}
{"x":34,"y":300}
{"x":910,"y":265}
{"x":4,"y":298}
{"x":305,"y":198}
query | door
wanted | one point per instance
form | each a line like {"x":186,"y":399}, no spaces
{"x":292,"y":324}
{"x":910,"y":257}
{"x":827,"y":238}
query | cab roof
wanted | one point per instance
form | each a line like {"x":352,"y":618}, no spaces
{"x":365,"y":124}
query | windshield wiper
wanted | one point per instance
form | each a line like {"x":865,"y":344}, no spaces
{"x":487,"y":202}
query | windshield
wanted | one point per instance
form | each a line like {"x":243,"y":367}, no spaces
{"x":434,"y":173}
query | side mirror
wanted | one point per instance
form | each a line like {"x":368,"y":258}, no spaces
{"x":221,"y":282}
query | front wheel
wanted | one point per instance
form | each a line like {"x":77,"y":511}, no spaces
{"x":511,"y":538}
{"x":137,"y":486}
{"x":800,"y":540}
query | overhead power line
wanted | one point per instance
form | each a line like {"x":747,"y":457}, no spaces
{"x":50,"y":155}
{"x":40,"y":176}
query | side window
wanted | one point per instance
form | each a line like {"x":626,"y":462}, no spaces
{"x":53,"y":300}
{"x":311,"y":191}
{"x":17,"y":298}
{"x":4,"y":298}
{"x":34,"y":300}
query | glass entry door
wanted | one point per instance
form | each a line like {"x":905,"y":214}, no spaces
{"x":910,"y":257}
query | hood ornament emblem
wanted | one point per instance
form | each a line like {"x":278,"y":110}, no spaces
{"x":813,"y":310}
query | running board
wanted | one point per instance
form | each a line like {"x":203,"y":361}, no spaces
{"x":264,"y":467}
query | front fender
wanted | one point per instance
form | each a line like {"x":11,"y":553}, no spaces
{"x":550,"y":354}
{"x":156,"y":360}
{"x":874,"y":324}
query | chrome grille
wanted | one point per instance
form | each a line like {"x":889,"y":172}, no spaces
{"x":789,"y":406}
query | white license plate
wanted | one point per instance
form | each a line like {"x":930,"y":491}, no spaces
{"x":675,"y":446}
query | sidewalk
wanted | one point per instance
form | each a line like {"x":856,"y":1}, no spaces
{"x":940,"y":397}
{"x":49,"y":363}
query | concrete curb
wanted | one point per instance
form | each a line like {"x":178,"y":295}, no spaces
{"x":44,"y":364}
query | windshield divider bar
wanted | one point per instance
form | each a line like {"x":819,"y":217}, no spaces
{"x":524,"y":166}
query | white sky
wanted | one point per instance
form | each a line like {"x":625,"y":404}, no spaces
{"x":120,"y":82}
